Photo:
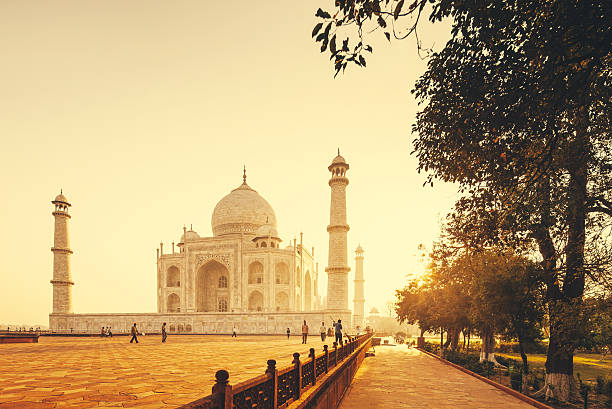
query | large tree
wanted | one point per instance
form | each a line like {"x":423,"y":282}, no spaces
{"x":517,"y":111}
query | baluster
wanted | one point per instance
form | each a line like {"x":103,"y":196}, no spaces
{"x":274,"y":372}
{"x":298,"y":371}
{"x":325,"y":348}
{"x":222,"y":390}
{"x":314,"y":365}
{"x":335,"y":353}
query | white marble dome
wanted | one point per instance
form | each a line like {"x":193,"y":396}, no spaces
{"x":242,"y":211}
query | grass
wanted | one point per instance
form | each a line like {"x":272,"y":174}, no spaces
{"x":589,"y":366}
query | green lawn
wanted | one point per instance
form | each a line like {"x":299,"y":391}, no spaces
{"x":589,"y":366}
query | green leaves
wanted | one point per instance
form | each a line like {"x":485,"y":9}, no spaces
{"x":388,"y":36}
{"x":322,"y":14}
{"x":332,"y":45}
{"x":381,"y":22}
{"x":398,"y":9}
{"x":316,"y":29}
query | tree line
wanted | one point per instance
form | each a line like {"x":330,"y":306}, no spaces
{"x":516,"y":110}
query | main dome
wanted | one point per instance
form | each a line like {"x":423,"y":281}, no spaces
{"x":242,"y":211}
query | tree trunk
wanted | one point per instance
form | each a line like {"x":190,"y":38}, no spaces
{"x":486,"y":351}
{"x":454,"y":338}
{"x":559,"y":381}
{"x":565,"y":311}
{"x":468,"y":343}
{"x":442,"y":342}
{"x":525,"y":371}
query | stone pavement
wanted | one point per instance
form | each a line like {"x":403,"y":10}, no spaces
{"x":402,"y":377}
{"x":93,"y":372}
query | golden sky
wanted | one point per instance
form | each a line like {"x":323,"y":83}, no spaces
{"x":144,"y":113}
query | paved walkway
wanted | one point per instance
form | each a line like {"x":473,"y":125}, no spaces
{"x":399,"y":377}
{"x":93,"y":372}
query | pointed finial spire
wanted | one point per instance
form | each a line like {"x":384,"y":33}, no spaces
{"x":267,"y":220}
{"x":338,"y":151}
{"x":61,"y":191}
{"x":191,"y":227}
{"x":244,"y":174}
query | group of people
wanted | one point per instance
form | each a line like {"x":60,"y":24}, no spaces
{"x":106,"y":332}
{"x":335,"y":329}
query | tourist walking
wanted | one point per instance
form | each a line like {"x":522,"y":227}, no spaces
{"x":323,"y":331}
{"x":164,"y":334}
{"x":109,"y":332}
{"x":338,"y":331}
{"x":288,"y":332}
{"x":234,"y":332}
{"x":134,"y":334}
{"x":304,"y":332}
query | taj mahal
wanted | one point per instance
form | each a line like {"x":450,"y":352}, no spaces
{"x":240,"y":277}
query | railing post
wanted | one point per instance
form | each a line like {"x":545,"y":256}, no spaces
{"x":325,"y":348}
{"x":335,"y":353}
{"x":314,"y":365}
{"x":222,"y":390}
{"x":298,"y":371}
{"x":272,"y":370}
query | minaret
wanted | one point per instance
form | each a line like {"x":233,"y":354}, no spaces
{"x":359,"y":300}
{"x":337,"y":267}
{"x":62,"y":282}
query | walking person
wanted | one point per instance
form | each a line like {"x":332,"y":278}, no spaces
{"x":288,"y":332}
{"x":134,"y":334}
{"x":234,"y":332}
{"x":304,"y":332}
{"x":339,"y":332}
{"x":323,"y":331}
{"x":109,"y":332}
{"x":164,"y":334}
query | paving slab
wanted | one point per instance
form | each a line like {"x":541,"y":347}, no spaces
{"x":403,"y":377}
{"x":60,"y":372}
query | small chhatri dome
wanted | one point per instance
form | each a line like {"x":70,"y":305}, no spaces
{"x":338,"y":160}
{"x":359,"y":249}
{"x":267,"y":230}
{"x":189,"y":235}
{"x":61,"y":199}
{"x":242,"y":211}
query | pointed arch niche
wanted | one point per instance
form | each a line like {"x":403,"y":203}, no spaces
{"x":208,"y":289}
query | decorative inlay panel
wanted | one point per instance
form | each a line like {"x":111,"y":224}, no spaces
{"x":223,"y":258}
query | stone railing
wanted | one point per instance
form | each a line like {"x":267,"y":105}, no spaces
{"x":301,"y":384}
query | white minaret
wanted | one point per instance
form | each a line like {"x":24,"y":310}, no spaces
{"x":62,"y":282}
{"x":337,"y":266}
{"x":359,"y":300}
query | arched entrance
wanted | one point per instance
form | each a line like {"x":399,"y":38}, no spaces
{"x":307,"y":292}
{"x":174,"y":303}
{"x":208,"y":286}
{"x":282,"y":273}
{"x":173,"y":277}
{"x":256,"y":301}
{"x":256,"y":273}
{"x":282,"y":301}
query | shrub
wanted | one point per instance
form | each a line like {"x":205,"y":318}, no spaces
{"x":599,"y":388}
{"x":530,"y":347}
{"x":431,"y":347}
